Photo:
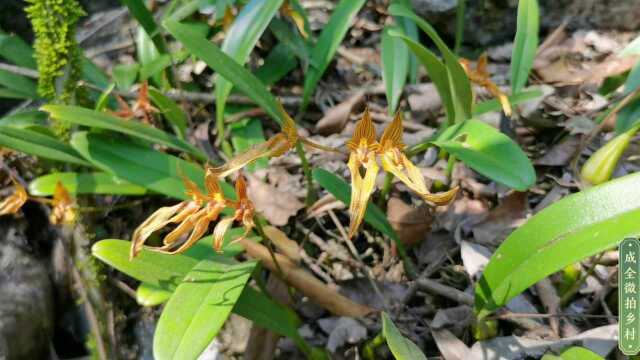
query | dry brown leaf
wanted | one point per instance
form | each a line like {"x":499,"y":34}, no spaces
{"x":564,"y":71}
{"x":425,"y":98}
{"x":306,"y":283}
{"x":276,"y":205}
{"x":286,"y":246}
{"x":410,"y":223}
{"x":560,"y":154}
{"x":502,"y":220}
{"x":450,"y":346}
{"x":337,"y":117}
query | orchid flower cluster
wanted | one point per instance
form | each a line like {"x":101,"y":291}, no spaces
{"x":480,"y":76}
{"x":63,"y":207}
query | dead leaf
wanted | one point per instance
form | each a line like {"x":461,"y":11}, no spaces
{"x":560,"y":154}
{"x":600,"y":340}
{"x":456,"y":319}
{"x":343,"y":331}
{"x":411,"y":223}
{"x":501,"y":220}
{"x":277,"y":206}
{"x":450,"y":346}
{"x":324,"y":204}
{"x":474,"y":258}
{"x":337,"y":117}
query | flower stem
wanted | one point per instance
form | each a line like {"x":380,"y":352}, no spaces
{"x":306,"y":169}
{"x":384,"y":193}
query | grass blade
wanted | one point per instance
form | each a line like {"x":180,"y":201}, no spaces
{"x":525,"y":43}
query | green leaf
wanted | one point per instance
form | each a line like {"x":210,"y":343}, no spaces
{"x":437,"y":72}
{"x":401,"y":347}
{"x":199,"y":307}
{"x":93,"y":74}
{"x":19,"y":84}
{"x":171,"y":111}
{"x":154,"y":68}
{"x":341,"y":190}
{"x":489,"y":152}
{"x":291,"y":39}
{"x":244,"y":135}
{"x":240,"y":40}
{"x":579,"y":353}
{"x":151,"y":295}
{"x":277,"y":64}
{"x":330,"y":38}
{"x":25,"y":119}
{"x":525,"y":44}
{"x":102,"y":120}
{"x":395,"y":67}
{"x":459,"y":82}
{"x":105,"y":98}
{"x":578,"y":226}
{"x":35,"y":143}
{"x":140,"y":12}
{"x":269,"y":314}
{"x":139,"y":164}
{"x":410,"y":28}
{"x":125,"y":75}
{"x":628,"y":116}
{"x":494,"y":105}
{"x":17,"y":51}
{"x":226,"y":67}
{"x":83,"y":183}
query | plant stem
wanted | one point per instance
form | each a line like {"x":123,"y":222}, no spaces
{"x":384,"y":193}
{"x":450,"y":165}
{"x":306,"y":169}
{"x":369,"y":349}
{"x":459,"y":26}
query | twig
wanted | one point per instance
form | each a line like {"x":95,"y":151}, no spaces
{"x":427,"y":272}
{"x":444,"y":290}
{"x":512,"y":315}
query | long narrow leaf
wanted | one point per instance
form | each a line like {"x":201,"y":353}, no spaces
{"x":35,"y":143}
{"x":395,"y":67}
{"x":241,"y":38}
{"x":327,"y":45}
{"x":227,"y":67}
{"x":84,"y":183}
{"x":525,"y":43}
{"x":102,"y":120}
{"x":139,"y":11}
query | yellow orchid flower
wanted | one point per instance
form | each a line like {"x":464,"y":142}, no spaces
{"x":244,"y":212}
{"x":64,"y":209}
{"x":481,"y":77}
{"x":14,"y":202}
{"x":364,"y":150}
{"x":192,"y":215}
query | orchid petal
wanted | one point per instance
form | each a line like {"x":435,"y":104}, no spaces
{"x":159,"y":219}
{"x":14,"y":202}
{"x":364,"y":131}
{"x":392,"y":135}
{"x":219,"y":231}
{"x":362,"y":187}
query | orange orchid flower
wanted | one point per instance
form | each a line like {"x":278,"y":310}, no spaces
{"x":193,"y":216}
{"x":14,"y":202}
{"x":364,"y":167}
{"x":275,"y":146}
{"x":142,"y":108}
{"x":64,"y":209}
{"x":481,"y":77}
{"x":244,"y":212}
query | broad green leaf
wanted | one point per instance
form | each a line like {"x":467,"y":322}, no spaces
{"x":579,"y":353}
{"x":171,"y":111}
{"x":240,"y":40}
{"x":271,"y":315}
{"x":489,"y":152}
{"x":277,"y":64}
{"x":139,"y":11}
{"x":25,"y":118}
{"x":330,"y":38}
{"x":341,"y":190}
{"x":84,"y":183}
{"x":395,"y":67}
{"x":401,"y":347}
{"x":151,"y":295}
{"x":102,"y":120}
{"x":437,"y":72}
{"x":525,"y":44}
{"x":35,"y":143}
{"x":155,"y":269}
{"x":459,"y":82}
{"x":16,"y":50}
{"x":244,"y":135}
{"x":226,"y":67}
{"x":632,"y":81}
{"x":140,"y":164}
{"x":494,"y":105}
{"x":578,"y":226}
{"x":199,"y":307}
{"x":125,"y":75}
